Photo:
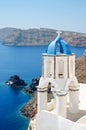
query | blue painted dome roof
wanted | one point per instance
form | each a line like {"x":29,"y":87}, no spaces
{"x":64,"y":46}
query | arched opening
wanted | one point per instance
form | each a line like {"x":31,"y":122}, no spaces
{"x":48,"y":69}
{"x":51,"y":97}
{"x":49,"y":90}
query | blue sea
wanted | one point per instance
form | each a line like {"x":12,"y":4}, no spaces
{"x":26,"y":63}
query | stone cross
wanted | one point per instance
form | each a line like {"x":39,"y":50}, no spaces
{"x":58,"y":32}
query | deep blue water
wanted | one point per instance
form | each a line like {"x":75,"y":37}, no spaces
{"x":25,"y":62}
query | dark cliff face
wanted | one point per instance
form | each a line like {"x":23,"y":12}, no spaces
{"x":42,"y":36}
{"x":81,"y":68}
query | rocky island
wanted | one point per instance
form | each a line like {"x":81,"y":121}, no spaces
{"x":15,"y":81}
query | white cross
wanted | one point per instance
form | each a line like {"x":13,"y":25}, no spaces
{"x":58,"y":32}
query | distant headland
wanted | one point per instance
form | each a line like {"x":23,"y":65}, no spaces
{"x":42,"y":36}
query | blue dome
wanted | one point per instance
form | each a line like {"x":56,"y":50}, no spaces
{"x":64,"y":46}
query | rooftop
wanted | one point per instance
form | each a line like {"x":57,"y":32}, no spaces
{"x":64,"y":46}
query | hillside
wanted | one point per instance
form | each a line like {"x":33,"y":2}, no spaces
{"x":42,"y":36}
{"x":81,"y":68}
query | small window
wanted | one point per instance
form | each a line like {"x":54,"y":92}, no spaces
{"x":61,"y":69}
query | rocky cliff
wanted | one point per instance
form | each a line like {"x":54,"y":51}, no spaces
{"x":42,"y":36}
{"x":81,"y":68}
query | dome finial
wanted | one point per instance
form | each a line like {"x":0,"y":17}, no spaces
{"x":58,"y":32}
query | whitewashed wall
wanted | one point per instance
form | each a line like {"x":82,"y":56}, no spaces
{"x":70,"y":125}
{"x":46,"y":121}
{"x":49,"y":121}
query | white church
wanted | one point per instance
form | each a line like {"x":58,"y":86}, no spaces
{"x":67,"y":108}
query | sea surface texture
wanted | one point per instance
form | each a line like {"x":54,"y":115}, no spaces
{"x":26,"y":62}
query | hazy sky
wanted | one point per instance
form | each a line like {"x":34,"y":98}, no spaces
{"x":57,"y":14}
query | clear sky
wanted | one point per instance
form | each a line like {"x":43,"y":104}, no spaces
{"x":56,"y":14}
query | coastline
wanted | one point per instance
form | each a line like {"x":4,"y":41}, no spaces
{"x":41,"y":36}
{"x":30,"y":108}
{"x":30,"y":44}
